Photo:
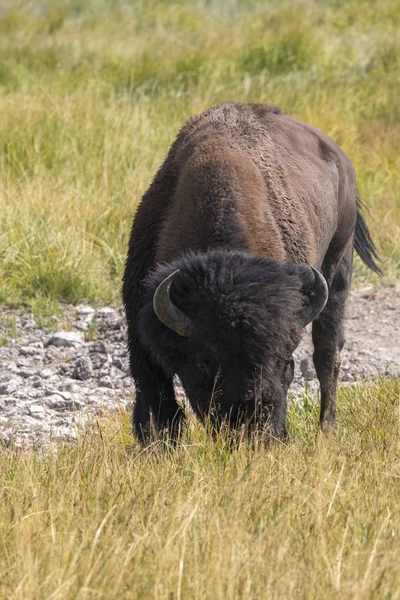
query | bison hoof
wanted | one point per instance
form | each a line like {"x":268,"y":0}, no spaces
{"x":328,"y":426}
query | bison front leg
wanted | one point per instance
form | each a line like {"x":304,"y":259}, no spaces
{"x":328,"y":339}
{"x":156,"y":411}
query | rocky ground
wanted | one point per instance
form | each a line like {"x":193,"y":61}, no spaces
{"x":52,"y":378}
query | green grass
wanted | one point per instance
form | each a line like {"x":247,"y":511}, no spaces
{"x":317,"y":518}
{"x":93,"y":93}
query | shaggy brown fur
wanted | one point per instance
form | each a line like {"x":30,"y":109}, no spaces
{"x":245,"y":177}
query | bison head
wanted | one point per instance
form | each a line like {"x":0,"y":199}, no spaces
{"x":227,"y":324}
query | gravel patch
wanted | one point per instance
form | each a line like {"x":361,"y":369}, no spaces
{"x":52,"y":381}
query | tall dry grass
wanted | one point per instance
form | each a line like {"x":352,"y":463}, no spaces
{"x":317,"y":518}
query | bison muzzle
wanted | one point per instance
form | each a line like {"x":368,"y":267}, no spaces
{"x":245,"y":236}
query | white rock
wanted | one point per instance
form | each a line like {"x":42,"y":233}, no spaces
{"x":65,"y":432}
{"x":26,"y":373}
{"x":83,"y":309}
{"x":106,"y":382}
{"x":306,"y":369}
{"x":105,"y":392}
{"x":71,"y":386}
{"x":38,"y":345}
{"x":106,"y":311}
{"x":45,"y":373}
{"x":9,"y":386}
{"x":127,"y":382}
{"x":98,"y":360}
{"x":98,"y":348}
{"x":29,"y":322}
{"x":82,"y":325}
{"x":67,"y":339}
{"x":30,"y":351}
{"x":57,"y":402}
{"x":347,"y":377}
{"x":83,"y":368}
{"x":12,"y":367}
{"x":6,"y":403}
{"x":37,"y":410}
{"x":117,"y":362}
{"x":65,"y":395}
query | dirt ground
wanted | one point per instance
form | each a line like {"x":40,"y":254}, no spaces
{"x":372,"y":332}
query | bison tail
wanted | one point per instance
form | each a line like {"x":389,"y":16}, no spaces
{"x":363,"y":243}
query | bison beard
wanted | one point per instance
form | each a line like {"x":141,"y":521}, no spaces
{"x":220,"y":277}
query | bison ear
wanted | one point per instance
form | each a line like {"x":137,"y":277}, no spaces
{"x":316,"y":297}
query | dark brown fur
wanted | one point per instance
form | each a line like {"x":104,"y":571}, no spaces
{"x":245,"y":177}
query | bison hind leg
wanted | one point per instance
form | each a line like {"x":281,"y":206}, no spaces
{"x":328,"y":339}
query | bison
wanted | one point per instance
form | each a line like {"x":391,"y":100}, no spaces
{"x":245,"y":236}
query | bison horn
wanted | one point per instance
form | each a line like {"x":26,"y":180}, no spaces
{"x":166,"y":311}
{"x":318,"y":299}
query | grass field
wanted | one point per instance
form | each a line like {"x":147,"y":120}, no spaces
{"x":318,"y":518}
{"x":93,"y":93}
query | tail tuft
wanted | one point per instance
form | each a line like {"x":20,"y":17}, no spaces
{"x":363,"y":243}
